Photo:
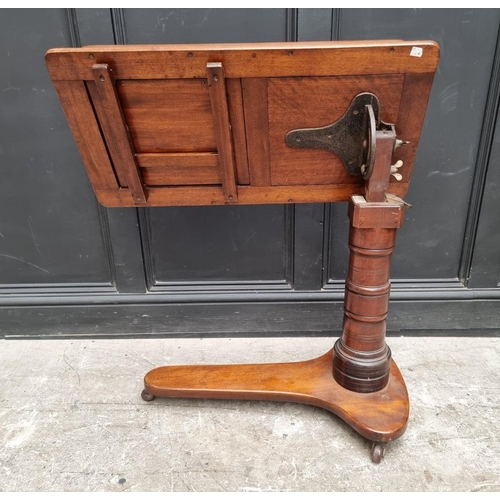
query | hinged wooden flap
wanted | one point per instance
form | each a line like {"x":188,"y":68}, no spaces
{"x":206,"y":124}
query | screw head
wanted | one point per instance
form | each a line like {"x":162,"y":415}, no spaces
{"x":216,"y":78}
{"x":101,"y":77}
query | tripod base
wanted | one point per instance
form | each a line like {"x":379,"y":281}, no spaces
{"x":378,"y":416}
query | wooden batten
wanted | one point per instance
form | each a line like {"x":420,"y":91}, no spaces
{"x":118,"y":140}
{"x":220,"y":112}
{"x":177,"y":169}
{"x":279,"y":60}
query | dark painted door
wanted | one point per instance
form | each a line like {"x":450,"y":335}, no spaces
{"x":70,"y":267}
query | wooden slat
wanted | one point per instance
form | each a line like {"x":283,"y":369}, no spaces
{"x":237,"y":119}
{"x":247,"y":195}
{"x":257,"y":127}
{"x":220,"y":111}
{"x":182,"y":176}
{"x":117,"y":139}
{"x":105,"y":126}
{"x":246,"y":60}
{"x":175,"y":169}
{"x":83,"y":124}
{"x":177,"y":160}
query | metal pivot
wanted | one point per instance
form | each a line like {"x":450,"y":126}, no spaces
{"x":351,"y":138}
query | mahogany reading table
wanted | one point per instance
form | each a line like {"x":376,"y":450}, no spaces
{"x":160,"y":125}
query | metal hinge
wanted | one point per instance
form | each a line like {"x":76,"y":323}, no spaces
{"x":351,"y":138}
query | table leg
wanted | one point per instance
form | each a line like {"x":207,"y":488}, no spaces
{"x":356,"y":380}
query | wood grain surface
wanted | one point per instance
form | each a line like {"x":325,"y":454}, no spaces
{"x":163,"y":104}
{"x":246,"y":59}
{"x":222,"y":127}
{"x":317,"y":102}
{"x":380,"y":416}
{"x":116,"y":132}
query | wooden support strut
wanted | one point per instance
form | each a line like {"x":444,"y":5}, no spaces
{"x":117,"y":136}
{"x":362,"y":359}
{"x":220,"y":111}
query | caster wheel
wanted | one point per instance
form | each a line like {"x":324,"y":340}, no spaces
{"x":377,"y":453}
{"x":146,"y":396}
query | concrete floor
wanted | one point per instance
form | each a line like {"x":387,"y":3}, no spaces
{"x":71,"y":419}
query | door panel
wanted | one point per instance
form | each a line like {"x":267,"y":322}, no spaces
{"x":52,"y":231}
{"x":204,"y":25}
{"x":241,"y":245}
{"x":189,"y":245}
{"x":429,"y":245}
{"x":62,"y":255}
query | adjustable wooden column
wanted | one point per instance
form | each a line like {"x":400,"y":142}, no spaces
{"x":229,"y":124}
{"x":362,"y":358}
{"x":357,"y":379}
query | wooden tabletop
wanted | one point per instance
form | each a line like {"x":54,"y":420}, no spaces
{"x":205,"y":124}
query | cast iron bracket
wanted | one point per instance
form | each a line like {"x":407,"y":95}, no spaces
{"x":351,"y":138}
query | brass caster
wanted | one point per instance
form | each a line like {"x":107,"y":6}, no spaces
{"x":146,"y":396}
{"x":377,"y":453}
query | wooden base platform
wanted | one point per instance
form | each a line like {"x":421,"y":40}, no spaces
{"x":378,"y":416}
